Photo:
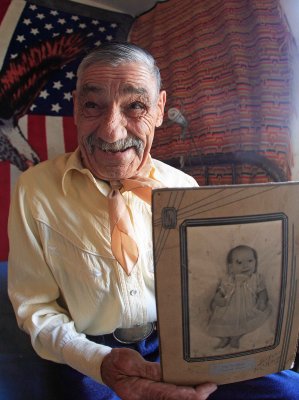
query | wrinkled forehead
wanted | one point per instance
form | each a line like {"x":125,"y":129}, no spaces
{"x":125,"y":89}
{"x":129,"y":77}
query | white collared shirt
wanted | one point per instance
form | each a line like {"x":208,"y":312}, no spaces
{"x":63,"y":279}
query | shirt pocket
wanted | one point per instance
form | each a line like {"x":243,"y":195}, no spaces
{"x":79,"y":273}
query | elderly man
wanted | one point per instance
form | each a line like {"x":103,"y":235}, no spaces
{"x":80,"y":267}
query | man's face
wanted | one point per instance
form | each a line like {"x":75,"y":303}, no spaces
{"x":243,"y":262}
{"x":116,"y":111}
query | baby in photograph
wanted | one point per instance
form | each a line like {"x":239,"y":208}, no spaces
{"x":240,"y":304}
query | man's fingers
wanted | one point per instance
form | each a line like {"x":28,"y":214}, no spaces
{"x":206,"y":389}
{"x":163,"y":391}
{"x":145,"y":390}
{"x":130,"y":363}
{"x":133,"y":378}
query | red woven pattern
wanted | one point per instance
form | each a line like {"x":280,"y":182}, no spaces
{"x":226,"y":67}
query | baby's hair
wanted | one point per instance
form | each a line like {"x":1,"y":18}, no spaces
{"x":229,"y":258}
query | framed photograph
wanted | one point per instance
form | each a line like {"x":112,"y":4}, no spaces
{"x":226,"y":281}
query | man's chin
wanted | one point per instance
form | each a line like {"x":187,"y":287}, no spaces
{"x":114,"y":172}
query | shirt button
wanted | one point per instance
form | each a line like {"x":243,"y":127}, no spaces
{"x":133,"y":292}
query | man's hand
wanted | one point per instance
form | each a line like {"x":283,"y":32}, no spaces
{"x":133,"y":378}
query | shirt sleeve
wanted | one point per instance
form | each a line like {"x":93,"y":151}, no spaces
{"x":35,"y":296}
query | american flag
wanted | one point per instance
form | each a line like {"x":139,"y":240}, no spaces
{"x":26,"y":32}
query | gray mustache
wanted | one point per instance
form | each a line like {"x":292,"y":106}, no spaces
{"x":120,"y":145}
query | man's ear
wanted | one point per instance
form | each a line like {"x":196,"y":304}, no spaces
{"x":161,"y":107}
{"x":75,"y":101}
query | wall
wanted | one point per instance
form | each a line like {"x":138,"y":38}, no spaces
{"x":291,"y":9}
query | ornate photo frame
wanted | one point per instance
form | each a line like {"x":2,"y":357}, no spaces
{"x":226,"y":281}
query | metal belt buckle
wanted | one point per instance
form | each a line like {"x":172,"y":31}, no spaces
{"x":134,"y":334}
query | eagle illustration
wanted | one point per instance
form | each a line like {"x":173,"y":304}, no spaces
{"x":21,"y":81}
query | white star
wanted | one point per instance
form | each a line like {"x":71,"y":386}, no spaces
{"x":75,"y":17}
{"x":32,"y":107}
{"x":44,"y":94}
{"x":109,"y":37}
{"x":98,"y":43}
{"x":34,"y":31}
{"x":33,"y":7}
{"x":54,"y":12}
{"x":55,"y":34}
{"x":27,"y":21}
{"x":40,"y":16}
{"x":57,"y":85}
{"x":82,"y":26}
{"x":55,"y":107}
{"x":62,"y":21}
{"x":69,"y":30}
{"x":102,"y":29}
{"x":15,"y":55}
{"x":48,"y":27}
{"x":67,"y":96}
{"x":113,"y":25}
{"x":95,"y":22}
{"x":70,"y":75}
{"x":90,"y":34}
{"x":20,"y":38}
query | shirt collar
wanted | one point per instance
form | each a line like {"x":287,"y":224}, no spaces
{"x":154,"y":173}
{"x":73,"y":166}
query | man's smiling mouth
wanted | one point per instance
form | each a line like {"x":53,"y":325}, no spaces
{"x":118,"y":151}
{"x":121,"y":145}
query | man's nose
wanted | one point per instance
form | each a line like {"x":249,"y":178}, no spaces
{"x":113,"y":126}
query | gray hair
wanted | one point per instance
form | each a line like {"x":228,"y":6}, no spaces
{"x":116,"y":53}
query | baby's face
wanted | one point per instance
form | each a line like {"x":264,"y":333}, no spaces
{"x":243,"y":262}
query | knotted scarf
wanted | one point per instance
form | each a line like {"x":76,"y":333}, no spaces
{"x":123,"y":243}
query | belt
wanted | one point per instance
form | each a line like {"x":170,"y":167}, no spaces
{"x":134,"y":334}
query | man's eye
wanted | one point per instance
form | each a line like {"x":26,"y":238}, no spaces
{"x":137,"y":105}
{"x":90,"y":109}
{"x":90,"y":104}
{"x":136,"y":109}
